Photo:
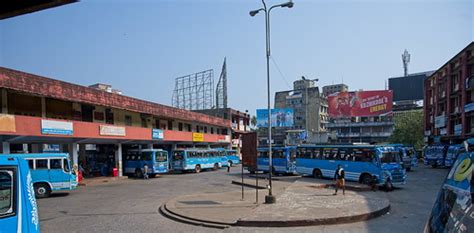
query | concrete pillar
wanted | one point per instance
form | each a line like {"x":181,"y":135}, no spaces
{"x":4,"y":102}
{"x":43,"y":107}
{"x":73,"y":153}
{"x":25,"y":148}
{"x":6,"y":147}
{"x":118,"y":158}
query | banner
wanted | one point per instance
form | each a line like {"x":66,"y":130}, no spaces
{"x":157,"y":134}
{"x":108,"y":130}
{"x":56,"y":127}
{"x":281,"y":117}
{"x":198,"y":137}
{"x":360,"y":103}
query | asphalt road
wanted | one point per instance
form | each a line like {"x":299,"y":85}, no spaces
{"x":132,"y":205}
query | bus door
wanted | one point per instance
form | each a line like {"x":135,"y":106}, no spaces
{"x":8,"y":198}
{"x":59,"y":173}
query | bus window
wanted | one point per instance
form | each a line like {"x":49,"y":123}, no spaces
{"x":66,"y":165}
{"x":389,"y":157}
{"x":55,"y":164}
{"x":161,"y":157}
{"x":146,"y":156}
{"x":41,"y":164}
{"x":178,"y":155}
{"x":6,"y":193}
{"x":30,"y":163}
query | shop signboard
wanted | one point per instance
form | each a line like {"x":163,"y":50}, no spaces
{"x":56,"y":127}
{"x":198,"y":137}
{"x":440,"y":121}
{"x":7,"y":123}
{"x":108,"y":130}
{"x":360,"y":103}
{"x":280,"y":117}
{"x":157,"y":134}
{"x":469,"y":107}
{"x":458,"y":129}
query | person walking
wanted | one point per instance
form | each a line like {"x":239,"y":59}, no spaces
{"x":339,"y":178}
{"x":145,"y":171}
{"x":228,"y":166}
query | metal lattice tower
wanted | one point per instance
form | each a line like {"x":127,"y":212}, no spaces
{"x":194,"y":91}
{"x":405,"y":60}
{"x":221,"y":90}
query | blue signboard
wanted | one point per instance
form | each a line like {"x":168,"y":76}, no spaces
{"x":280,"y":117}
{"x":469,"y":107}
{"x":157,"y":134}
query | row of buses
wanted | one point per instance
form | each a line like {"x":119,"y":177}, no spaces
{"x":362,"y":163}
{"x":440,"y":155}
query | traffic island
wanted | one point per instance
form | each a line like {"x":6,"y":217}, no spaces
{"x":298,"y":204}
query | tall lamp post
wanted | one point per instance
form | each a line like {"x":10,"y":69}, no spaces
{"x":269,"y":199}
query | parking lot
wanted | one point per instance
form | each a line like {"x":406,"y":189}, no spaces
{"x":129,"y":205}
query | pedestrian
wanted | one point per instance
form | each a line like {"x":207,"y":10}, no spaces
{"x":339,"y":178}
{"x":228,"y":166}
{"x":145,"y":171}
{"x":373,"y":183}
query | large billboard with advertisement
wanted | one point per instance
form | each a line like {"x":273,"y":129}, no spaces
{"x":280,"y":117}
{"x":360,"y":103}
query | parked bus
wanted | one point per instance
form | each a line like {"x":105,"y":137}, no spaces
{"x":229,"y":157}
{"x":452,"y":154}
{"x":50,"y":172}
{"x":411,"y":151}
{"x":135,"y":160}
{"x":407,"y":160}
{"x":453,"y":210}
{"x":196,"y":160}
{"x":283,"y":160}
{"x":18,"y":209}
{"x":360,"y":163}
{"x":435,"y":155}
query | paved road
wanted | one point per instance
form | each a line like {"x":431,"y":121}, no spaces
{"x":132,"y":205}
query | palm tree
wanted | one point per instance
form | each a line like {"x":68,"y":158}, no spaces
{"x":253,"y":122}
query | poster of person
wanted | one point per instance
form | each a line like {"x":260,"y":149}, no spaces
{"x":280,"y":117}
{"x":360,"y":103}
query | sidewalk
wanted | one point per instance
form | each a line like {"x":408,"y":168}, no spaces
{"x":301,"y":203}
{"x":101,"y":180}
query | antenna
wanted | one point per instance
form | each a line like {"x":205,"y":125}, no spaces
{"x":405,"y":60}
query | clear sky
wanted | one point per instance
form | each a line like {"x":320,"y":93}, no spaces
{"x":141,"y":46}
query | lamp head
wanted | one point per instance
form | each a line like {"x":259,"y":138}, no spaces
{"x":253,"y":13}
{"x":289,"y":4}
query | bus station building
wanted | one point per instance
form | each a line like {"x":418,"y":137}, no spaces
{"x":94,"y":126}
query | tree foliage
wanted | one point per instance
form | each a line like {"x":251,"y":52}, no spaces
{"x":408,"y":129}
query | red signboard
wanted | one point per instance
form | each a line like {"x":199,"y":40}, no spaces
{"x":360,"y":103}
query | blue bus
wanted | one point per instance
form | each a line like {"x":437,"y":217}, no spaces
{"x":283,"y":160}
{"x":453,"y":209}
{"x":18,"y":209}
{"x":408,"y":155}
{"x":452,"y":153}
{"x":360,"y":163}
{"x":229,"y":157}
{"x":135,"y":160}
{"x":50,"y":172}
{"x":411,"y":151}
{"x":435,"y":155}
{"x":196,"y":159}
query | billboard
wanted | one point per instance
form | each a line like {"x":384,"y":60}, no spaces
{"x":409,"y":87}
{"x":360,"y":103}
{"x":280,"y":117}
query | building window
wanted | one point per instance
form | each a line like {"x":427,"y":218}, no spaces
{"x":180,"y":126}
{"x":128,"y":120}
{"x":197,"y":128}
{"x":217,"y":131}
{"x":189,"y":128}
{"x":205,"y":129}
{"x":212,"y":130}
{"x":170,"y":125}
{"x":144,"y":124}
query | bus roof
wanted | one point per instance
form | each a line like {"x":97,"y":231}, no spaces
{"x":38,"y":155}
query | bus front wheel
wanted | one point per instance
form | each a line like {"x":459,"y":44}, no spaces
{"x":388,"y":186}
{"x":197,"y":169}
{"x":138,"y":173}
{"x":317,"y":173}
{"x":42,"y":190}
{"x":365,"y":179}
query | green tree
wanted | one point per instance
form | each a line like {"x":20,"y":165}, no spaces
{"x":253,"y":121}
{"x":408,"y":129}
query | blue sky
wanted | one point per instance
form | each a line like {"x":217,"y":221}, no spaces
{"x":141,"y":46}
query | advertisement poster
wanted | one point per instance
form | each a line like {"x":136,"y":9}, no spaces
{"x":281,"y":117}
{"x":360,"y":103}
{"x":56,"y":127}
{"x":157,"y":134}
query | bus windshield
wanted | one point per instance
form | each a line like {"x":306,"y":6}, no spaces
{"x":389,"y":157}
{"x":178,"y":155}
{"x":231,"y":153}
{"x":161,"y":156}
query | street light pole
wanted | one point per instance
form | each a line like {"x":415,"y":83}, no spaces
{"x":269,"y":199}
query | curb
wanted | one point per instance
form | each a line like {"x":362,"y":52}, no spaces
{"x":179,"y":218}
{"x":348,"y":187}
{"x":314,"y":222}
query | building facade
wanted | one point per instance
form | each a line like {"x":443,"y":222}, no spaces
{"x":38,"y":111}
{"x":310,"y":109}
{"x":449,"y":100}
{"x":361,"y":129}
{"x":331,"y":89}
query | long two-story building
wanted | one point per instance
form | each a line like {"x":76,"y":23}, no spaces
{"x":93,"y":125}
